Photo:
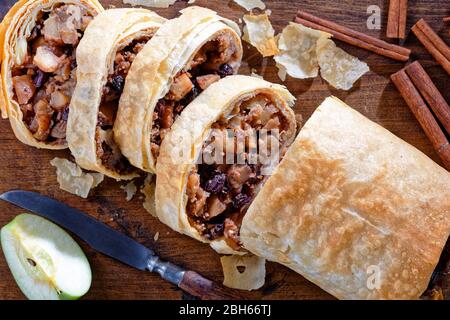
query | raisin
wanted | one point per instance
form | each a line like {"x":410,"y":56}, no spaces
{"x":241,"y":200}
{"x":39,"y":78}
{"x":206,"y":172}
{"x":106,"y":147}
{"x":216,"y":184}
{"x":65,"y":114}
{"x":216,"y":231}
{"x":225,"y":70}
{"x":190,"y":96}
{"x":117,"y":83}
{"x":73,"y":64}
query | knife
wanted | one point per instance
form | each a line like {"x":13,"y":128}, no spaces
{"x":116,"y":245}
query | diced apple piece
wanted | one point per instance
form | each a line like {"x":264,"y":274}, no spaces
{"x":207,"y":80}
{"x":24,"y":87}
{"x":46,"y":60}
{"x":181,"y":86}
{"x":58,"y":100}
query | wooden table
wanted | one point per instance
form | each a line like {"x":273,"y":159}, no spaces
{"x":375,"y":96}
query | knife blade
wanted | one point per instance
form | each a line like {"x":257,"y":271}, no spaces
{"x":98,"y":235}
{"x":114,"y":244}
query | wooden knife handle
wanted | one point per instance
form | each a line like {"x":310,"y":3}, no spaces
{"x":190,"y":281}
{"x":205,"y":289}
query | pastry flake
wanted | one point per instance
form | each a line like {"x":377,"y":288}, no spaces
{"x":71,"y":177}
{"x":282,"y":72}
{"x":337,"y":67}
{"x":298,"y":57}
{"x":258,"y":31}
{"x":243,"y":272}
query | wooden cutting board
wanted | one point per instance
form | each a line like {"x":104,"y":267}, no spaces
{"x":22,"y":167}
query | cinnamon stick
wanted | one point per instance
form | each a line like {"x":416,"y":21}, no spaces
{"x":433,"y":43}
{"x":354,"y":37}
{"x":396,"y":26}
{"x":423,"y":115}
{"x":430,"y":93}
{"x":434,"y":38}
{"x":393,"y":19}
{"x":402,"y":19}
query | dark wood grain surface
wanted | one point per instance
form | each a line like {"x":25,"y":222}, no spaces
{"x":22,"y":167}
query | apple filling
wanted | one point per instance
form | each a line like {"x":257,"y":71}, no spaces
{"x":107,"y":149}
{"x":219,"y":192}
{"x":44,"y":80}
{"x":211,"y":62}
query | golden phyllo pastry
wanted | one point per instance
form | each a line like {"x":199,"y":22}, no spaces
{"x":353,"y":208}
{"x":105,"y":55}
{"x":184,"y":57}
{"x":38,"y":42}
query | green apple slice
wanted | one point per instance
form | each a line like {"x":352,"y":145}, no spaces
{"x":45,"y":261}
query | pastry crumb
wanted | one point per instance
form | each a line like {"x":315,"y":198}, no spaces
{"x":148,"y":190}
{"x":130,"y":190}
